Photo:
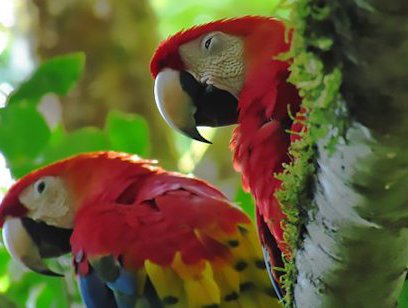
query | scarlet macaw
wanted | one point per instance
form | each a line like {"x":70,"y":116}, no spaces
{"x":139,"y":236}
{"x":227,"y":72}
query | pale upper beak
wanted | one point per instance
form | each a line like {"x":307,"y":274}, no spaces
{"x":22,"y":247}
{"x":186,"y":103}
{"x":175,"y":105}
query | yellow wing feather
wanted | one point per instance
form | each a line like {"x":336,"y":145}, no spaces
{"x":240,"y":280}
{"x":168,"y":285}
{"x":228,"y":280}
{"x":199,"y":285}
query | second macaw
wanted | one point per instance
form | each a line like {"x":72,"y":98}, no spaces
{"x":228,"y":72}
{"x":139,"y":236}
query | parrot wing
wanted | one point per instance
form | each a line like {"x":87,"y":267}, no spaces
{"x":171,"y":240}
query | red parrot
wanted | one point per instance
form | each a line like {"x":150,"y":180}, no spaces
{"x":139,"y":236}
{"x":227,"y":72}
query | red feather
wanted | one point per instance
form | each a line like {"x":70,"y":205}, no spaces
{"x":130,"y":208}
{"x":260,"y":143}
{"x":158,"y":225}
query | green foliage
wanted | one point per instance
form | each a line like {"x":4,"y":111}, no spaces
{"x":318,"y":83}
{"x":20,"y":289}
{"x":245,"y":201}
{"x":28,"y":142}
{"x":178,"y":14}
{"x":57,"y":75}
{"x":23,"y":134}
{"x":85,"y":139}
{"x":136,"y":138}
{"x":403,"y":302}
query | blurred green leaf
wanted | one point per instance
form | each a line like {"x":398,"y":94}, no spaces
{"x":245,"y":201}
{"x":47,"y":296}
{"x":403,"y":302}
{"x":4,"y":260}
{"x":175,"y":15}
{"x":57,"y":135}
{"x":128,"y":133}
{"x":86,"y":139}
{"x":23,"y":135}
{"x":34,"y":290}
{"x":57,"y":75}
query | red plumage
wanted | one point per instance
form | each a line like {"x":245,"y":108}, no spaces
{"x":172,"y":237}
{"x":260,"y":143}
{"x":149,"y":213}
{"x":158,"y":218}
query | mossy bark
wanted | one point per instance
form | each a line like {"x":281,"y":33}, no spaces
{"x":353,"y":251}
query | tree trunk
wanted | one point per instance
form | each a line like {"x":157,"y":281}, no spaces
{"x":354,"y":250}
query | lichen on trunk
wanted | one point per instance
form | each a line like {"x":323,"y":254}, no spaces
{"x":348,"y":229}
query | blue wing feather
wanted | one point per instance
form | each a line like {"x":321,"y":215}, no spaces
{"x":95,"y":293}
{"x":124,"y":289}
{"x":120,"y":293}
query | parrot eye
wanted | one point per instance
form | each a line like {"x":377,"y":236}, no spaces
{"x":213,"y":43}
{"x":208,"y":43}
{"x":40,"y":186}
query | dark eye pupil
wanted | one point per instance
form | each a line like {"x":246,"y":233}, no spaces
{"x":207,"y":43}
{"x":40,"y":187}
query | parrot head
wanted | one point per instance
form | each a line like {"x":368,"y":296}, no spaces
{"x":37,"y":213}
{"x":201,"y":73}
{"x":37,"y":217}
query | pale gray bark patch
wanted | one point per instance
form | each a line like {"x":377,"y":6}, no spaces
{"x":355,"y":248}
{"x":355,"y":251}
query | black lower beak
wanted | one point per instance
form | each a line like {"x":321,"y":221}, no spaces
{"x":185,"y":103}
{"x":214,"y":107}
{"x":51,"y":241}
{"x":29,"y":242}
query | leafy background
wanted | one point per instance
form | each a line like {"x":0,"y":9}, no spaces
{"x":49,"y":109}
{"x":74,"y":78}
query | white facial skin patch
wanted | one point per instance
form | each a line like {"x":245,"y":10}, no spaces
{"x":48,"y":200}
{"x":217,"y":59}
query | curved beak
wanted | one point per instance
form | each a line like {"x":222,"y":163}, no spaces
{"x":185,"y":103}
{"x":175,"y":105}
{"x":22,"y":247}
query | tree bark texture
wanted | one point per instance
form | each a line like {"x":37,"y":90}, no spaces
{"x":354,"y":251}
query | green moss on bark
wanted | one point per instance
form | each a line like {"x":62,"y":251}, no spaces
{"x":349,"y":65}
{"x":317,"y":74}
